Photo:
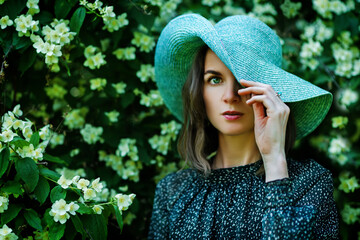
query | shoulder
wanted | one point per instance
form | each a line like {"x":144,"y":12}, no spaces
{"x":310,"y":178}
{"x":177,"y":180}
{"x":307,"y":168}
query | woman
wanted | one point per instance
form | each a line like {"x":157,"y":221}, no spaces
{"x":235,"y":136}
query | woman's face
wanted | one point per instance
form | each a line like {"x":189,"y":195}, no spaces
{"x":225,"y":109}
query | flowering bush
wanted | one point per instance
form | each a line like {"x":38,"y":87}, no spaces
{"x":23,"y":156}
{"x":82,"y":72}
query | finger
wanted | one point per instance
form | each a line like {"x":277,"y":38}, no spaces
{"x":260,"y":89}
{"x":267,"y":102}
{"x":272,"y":108}
{"x":247,"y":83}
{"x":251,"y":90}
{"x":259,"y":110}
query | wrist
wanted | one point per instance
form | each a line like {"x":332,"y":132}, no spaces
{"x":275,"y":167}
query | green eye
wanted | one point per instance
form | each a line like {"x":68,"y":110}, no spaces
{"x":215,"y":80}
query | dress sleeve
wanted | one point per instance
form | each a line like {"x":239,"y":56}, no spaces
{"x":314,"y":218}
{"x":159,"y":223}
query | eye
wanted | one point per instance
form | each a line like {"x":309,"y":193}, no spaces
{"x":214,"y":80}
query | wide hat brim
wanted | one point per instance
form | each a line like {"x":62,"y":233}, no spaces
{"x":181,"y":39}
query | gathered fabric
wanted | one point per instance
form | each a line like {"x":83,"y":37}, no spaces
{"x":235,"y":203}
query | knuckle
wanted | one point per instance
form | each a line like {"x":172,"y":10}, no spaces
{"x":268,"y":87}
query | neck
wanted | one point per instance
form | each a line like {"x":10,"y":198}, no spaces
{"x":236,"y":151}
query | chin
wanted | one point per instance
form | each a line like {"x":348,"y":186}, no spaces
{"x":235,"y":132}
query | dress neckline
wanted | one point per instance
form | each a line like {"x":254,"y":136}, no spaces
{"x":233,"y":173}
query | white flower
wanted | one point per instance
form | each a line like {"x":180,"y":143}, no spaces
{"x":83,"y":183}
{"x":7,"y":234}
{"x":89,"y":193}
{"x":290,"y":9}
{"x":5,"y":230}
{"x":113,"y":115}
{"x":123,"y":201}
{"x":7,"y":122}
{"x":5,"y":22}
{"x":60,"y":210}
{"x":62,"y":218}
{"x":349,"y":97}
{"x":119,"y":87}
{"x":132,"y":196}
{"x":97,"y":209}
{"x":27,"y":133}
{"x":356,"y":68}
{"x":4,"y":203}
{"x":18,"y":124}
{"x":338,"y":145}
{"x":60,"y":207}
{"x":91,"y":134}
{"x":146,"y":72}
{"x":125,"y":53}
{"x":45,"y":132}
{"x":73,"y":207}
{"x":97,"y":83}
{"x":75,"y":179}
{"x":63,"y":182}
{"x":27,"y":151}
{"x":96,"y":185}
{"x":7,"y":136}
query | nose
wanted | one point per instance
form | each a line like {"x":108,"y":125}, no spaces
{"x":230,"y":93}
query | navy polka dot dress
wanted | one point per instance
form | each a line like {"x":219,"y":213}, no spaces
{"x":235,"y":203}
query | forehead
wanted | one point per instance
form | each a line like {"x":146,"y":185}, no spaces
{"x":213,"y":62}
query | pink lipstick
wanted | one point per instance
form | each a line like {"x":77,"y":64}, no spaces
{"x":232,"y":115}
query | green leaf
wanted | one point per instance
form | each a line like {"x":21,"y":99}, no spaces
{"x":10,"y":213}
{"x":77,"y":19}
{"x":84,"y":209}
{"x":49,"y":220}
{"x":20,"y":42}
{"x":53,"y":159}
{"x":56,"y":231}
{"x":35,"y":138}
{"x":28,"y":171}
{"x":12,"y":187}
{"x":12,"y":8}
{"x":45,"y":17}
{"x":26,"y":60}
{"x":49,"y":173}
{"x":4,"y":160}
{"x":33,"y":219}
{"x":95,"y":226}
{"x":147,"y":20}
{"x":78,"y":224}
{"x":62,"y":8}
{"x":57,"y":193}
{"x":42,"y":190}
{"x":19,"y":142}
{"x":127,"y":99}
{"x":321,"y":79}
{"x":118,"y":217}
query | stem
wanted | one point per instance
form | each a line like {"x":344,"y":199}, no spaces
{"x":101,"y":204}
{"x":8,"y":170}
{"x":2,"y":74}
{"x":331,"y":74}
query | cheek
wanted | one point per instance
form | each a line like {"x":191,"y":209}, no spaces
{"x":210,"y":103}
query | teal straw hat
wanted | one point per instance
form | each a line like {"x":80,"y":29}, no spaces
{"x":250,"y":49}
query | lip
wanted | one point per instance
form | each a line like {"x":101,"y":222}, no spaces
{"x":232,"y":115}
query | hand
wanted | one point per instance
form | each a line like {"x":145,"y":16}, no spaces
{"x":271,"y":116}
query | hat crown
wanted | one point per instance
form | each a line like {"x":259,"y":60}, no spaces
{"x":252,"y":34}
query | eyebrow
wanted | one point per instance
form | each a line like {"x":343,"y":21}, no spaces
{"x":212,"y":72}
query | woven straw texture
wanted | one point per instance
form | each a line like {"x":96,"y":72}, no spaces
{"x":250,"y":49}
